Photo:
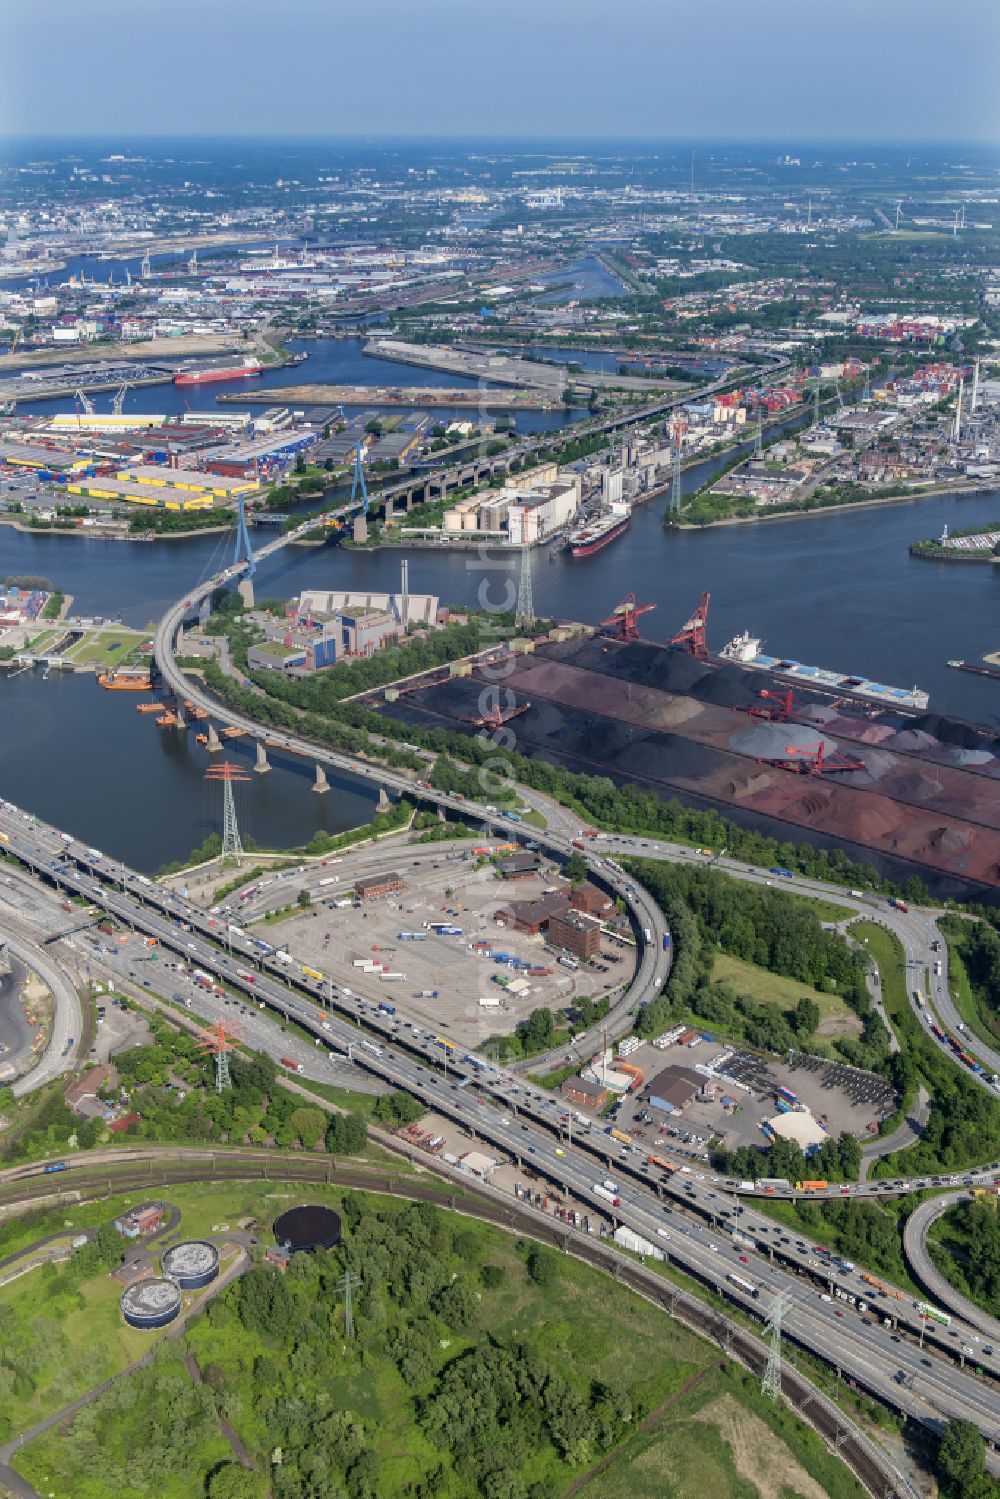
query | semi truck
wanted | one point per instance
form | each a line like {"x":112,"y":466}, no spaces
{"x":607,"y":1194}
{"x":291,"y":1065}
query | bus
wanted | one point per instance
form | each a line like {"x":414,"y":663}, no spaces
{"x":926,"y":1310}
{"x":311,"y":973}
{"x":445,"y":1045}
{"x":811,"y":1186}
{"x":744,"y":1285}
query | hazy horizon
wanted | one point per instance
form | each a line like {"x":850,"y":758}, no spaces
{"x":649,"y":70}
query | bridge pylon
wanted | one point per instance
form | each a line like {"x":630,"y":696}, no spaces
{"x":244,"y":553}
{"x":358,"y":486}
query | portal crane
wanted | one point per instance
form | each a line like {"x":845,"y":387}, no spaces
{"x":623,"y":618}
{"x":692,"y":635}
{"x":85,"y":402}
{"x":119,"y":398}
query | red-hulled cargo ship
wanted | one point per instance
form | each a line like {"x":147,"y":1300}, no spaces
{"x":203,"y":374}
{"x":598,"y":534}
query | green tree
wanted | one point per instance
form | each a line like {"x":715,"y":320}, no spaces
{"x":304,"y":899}
{"x":398,"y":1108}
{"x":576,"y":868}
{"x":806,"y":1017}
{"x":233,"y":1481}
{"x":961,"y":1460}
{"x":541,"y":1264}
{"x":308,"y":1125}
{"x":346,"y":1134}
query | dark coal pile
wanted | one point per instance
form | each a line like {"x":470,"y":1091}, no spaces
{"x":949,"y":731}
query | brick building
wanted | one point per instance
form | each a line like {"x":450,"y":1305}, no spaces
{"x":531,"y":916}
{"x":575,"y":933}
{"x":591,"y":901}
{"x":378,"y":886}
{"x":581,"y":1091}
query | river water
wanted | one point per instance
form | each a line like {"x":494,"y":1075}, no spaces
{"x":334,"y":361}
{"x":837,"y":590}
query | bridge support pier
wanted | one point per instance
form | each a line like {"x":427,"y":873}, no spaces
{"x":383,"y":801}
{"x":360,"y":529}
{"x":214,"y":742}
{"x":245,"y":590}
{"x":389,"y":514}
{"x":320,"y":784}
{"x":179,"y":715}
{"x":263,"y":764}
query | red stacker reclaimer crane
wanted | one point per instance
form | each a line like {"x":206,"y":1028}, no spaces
{"x":495,"y":718}
{"x":778,"y":710}
{"x":623,"y":618}
{"x":815,"y":761}
{"x":692,"y":634}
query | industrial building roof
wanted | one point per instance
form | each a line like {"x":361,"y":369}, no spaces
{"x":677,"y":1085}
{"x":159,"y":473}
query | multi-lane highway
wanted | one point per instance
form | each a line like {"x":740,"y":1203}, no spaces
{"x":870,"y":1333}
{"x":925,"y":952}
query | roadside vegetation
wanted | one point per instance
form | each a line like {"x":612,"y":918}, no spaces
{"x":480,"y":1365}
{"x":965,"y":1246}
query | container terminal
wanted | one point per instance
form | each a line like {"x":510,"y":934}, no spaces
{"x":893,"y":783}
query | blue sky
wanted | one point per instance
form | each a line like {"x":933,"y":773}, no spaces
{"x":784,"y":69}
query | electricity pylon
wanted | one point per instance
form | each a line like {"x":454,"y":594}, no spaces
{"x":771,"y":1383}
{"x":347,"y":1284}
{"x":232,"y":848}
{"x":525,"y":612}
{"x":219,"y":1042}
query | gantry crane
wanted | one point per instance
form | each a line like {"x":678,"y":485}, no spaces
{"x":623,"y":618}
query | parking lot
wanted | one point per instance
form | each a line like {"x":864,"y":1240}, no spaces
{"x":441,"y":982}
{"x":839,"y":1097}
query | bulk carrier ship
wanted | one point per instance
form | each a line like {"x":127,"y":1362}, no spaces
{"x":598,"y":533}
{"x":205,"y":373}
{"x":745,"y":650}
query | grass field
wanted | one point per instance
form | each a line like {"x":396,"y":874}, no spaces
{"x":102,"y":648}
{"x":771,"y":989}
{"x":708,"y":1432}
{"x":712,"y":1441}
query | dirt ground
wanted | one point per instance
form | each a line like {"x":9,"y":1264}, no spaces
{"x":758,"y":1458}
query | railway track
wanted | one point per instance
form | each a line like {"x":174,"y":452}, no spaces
{"x":873,"y":1468}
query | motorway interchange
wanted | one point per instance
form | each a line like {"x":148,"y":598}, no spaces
{"x":912,"y":1363}
{"x":915,"y":1364}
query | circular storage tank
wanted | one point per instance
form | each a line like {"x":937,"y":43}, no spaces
{"x":150,"y":1303}
{"x":307,"y":1228}
{"x":192,"y":1264}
